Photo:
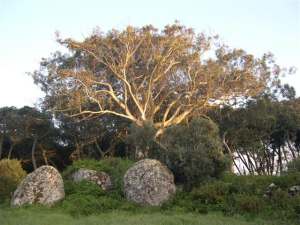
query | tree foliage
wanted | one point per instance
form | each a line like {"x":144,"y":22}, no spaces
{"x":147,"y":75}
{"x":142,"y":139}
{"x":28,"y":134}
{"x":263,"y":135}
{"x":37,"y":138}
{"x":194,"y":152}
{"x":93,"y":138}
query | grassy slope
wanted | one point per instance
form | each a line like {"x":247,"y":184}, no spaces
{"x":31,"y":216}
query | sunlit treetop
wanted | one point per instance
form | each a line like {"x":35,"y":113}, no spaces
{"x":145,"y":74}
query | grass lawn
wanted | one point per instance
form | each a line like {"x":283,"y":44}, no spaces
{"x":38,"y":216}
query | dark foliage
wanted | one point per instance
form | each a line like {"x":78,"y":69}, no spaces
{"x":194,"y":152}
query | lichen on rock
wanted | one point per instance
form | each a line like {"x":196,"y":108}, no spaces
{"x":149,"y":182}
{"x":44,"y":186}
{"x":102,"y":179}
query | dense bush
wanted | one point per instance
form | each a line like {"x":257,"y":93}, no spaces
{"x":194,"y":152}
{"x":234,"y":194}
{"x":115,"y":167}
{"x":11,"y":174}
{"x":231,"y":194}
{"x":252,"y":184}
{"x":248,"y":203}
{"x":85,"y":198}
{"x":211,"y":193}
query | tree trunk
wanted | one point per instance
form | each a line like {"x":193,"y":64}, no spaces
{"x":33,"y":153}
{"x":45,"y":157}
{"x":280,"y":159}
{"x":102,"y":154}
{"x":231,"y":155}
{"x":10,"y":151}
{"x":291,"y":149}
{"x":44,"y":154}
{"x":243,"y":160}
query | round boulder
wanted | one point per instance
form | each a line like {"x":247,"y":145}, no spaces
{"x":102,"y":179}
{"x":149,"y":182}
{"x":44,"y":186}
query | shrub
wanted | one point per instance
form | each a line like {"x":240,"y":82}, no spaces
{"x":280,"y":199}
{"x":181,"y":201}
{"x":211,"y":193}
{"x":248,"y":203}
{"x":194,"y":152}
{"x":251,"y":184}
{"x":7,"y":187}
{"x":115,"y":167}
{"x":242,"y":194}
{"x":86,"y":198}
{"x":296,"y":206}
{"x":11,"y":174}
{"x":248,"y":184}
{"x":83,"y":188}
{"x":287,"y":180}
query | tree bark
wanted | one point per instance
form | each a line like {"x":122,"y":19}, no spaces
{"x":291,"y":149}
{"x":10,"y":151}
{"x":231,"y":155}
{"x":45,"y":157}
{"x":280,"y":159}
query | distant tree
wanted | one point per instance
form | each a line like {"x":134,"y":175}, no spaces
{"x":10,"y":135}
{"x":19,"y":127}
{"x":144,"y":75}
{"x":263,"y":135}
{"x":36,"y":126}
{"x":95,"y":137}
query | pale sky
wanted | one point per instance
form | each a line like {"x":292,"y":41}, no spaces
{"x":27,"y":30}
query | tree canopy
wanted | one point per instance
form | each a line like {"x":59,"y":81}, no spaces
{"x":263,"y":136}
{"x":147,"y":75}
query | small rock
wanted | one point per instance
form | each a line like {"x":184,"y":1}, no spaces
{"x":44,"y":186}
{"x":102,"y":179}
{"x":270,"y":189}
{"x":272,"y":186}
{"x":294,"y":190}
{"x":149,"y":182}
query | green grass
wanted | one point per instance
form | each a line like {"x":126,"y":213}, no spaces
{"x":45,"y":216}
